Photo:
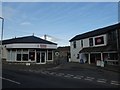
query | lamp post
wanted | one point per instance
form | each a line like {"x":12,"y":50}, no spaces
{"x":1,"y":38}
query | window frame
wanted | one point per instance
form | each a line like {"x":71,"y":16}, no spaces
{"x":74,"y":44}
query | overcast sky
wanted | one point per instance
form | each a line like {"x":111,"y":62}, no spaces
{"x":60,"y":20}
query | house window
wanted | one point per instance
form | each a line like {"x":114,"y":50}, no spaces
{"x":78,"y":56}
{"x":90,"y":41}
{"x":81,"y":43}
{"x":112,"y":37}
{"x":74,"y":44}
{"x":49,"y":55}
{"x":99,"y":40}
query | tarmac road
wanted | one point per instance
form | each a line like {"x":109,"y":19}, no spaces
{"x":25,"y":79}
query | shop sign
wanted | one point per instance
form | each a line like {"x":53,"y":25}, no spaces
{"x":98,"y":63}
{"x":42,"y":46}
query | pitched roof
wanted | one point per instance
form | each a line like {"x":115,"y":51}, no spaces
{"x":27,"y":39}
{"x":96,"y":32}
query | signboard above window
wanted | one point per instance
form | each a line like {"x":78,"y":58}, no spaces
{"x":99,"y":40}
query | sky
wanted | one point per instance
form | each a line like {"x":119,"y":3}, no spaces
{"x":61,"y":21}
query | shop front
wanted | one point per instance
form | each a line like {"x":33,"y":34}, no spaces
{"x":39,"y":53}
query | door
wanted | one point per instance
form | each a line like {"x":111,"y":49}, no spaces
{"x":38,"y":57}
{"x":43,"y":57}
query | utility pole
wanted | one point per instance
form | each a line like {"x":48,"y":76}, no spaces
{"x":118,"y":44}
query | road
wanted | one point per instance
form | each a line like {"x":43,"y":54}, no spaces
{"x":48,"y":79}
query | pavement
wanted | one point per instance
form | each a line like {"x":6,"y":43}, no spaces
{"x":69,"y":65}
{"x":76,"y":65}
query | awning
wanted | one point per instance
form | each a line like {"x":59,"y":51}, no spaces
{"x":98,"y":49}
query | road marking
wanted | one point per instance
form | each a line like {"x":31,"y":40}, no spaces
{"x":115,"y":82}
{"x":10,"y":80}
{"x":68,"y":75}
{"x":60,"y":74}
{"x":89,"y":78}
{"x":51,"y":73}
{"x":44,"y":72}
{"x":78,"y":77}
{"x":102,"y":80}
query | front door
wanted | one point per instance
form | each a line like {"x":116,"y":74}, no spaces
{"x":43,"y":57}
{"x":38,"y":57}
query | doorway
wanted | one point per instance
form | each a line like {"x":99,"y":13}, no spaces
{"x":41,"y":57}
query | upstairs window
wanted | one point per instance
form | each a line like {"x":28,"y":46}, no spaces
{"x":99,"y":40}
{"x":74,"y":44}
{"x":90,"y":41}
{"x":81,"y":43}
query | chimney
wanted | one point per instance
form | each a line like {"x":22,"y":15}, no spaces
{"x":45,"y":36}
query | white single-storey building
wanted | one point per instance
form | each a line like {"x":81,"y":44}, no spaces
{"x":28,"y":49}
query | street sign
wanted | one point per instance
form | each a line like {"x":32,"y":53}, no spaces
{"x":56,"y":53}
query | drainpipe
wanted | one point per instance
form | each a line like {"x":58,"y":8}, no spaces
{"x":118,"y":44}
{"x":89,"y":58}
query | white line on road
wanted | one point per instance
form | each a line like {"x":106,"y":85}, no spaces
{"x":60,"y":74}
{"x":89,"y":78}
{"x":10,"y":80}
{"x":115,"y":82}
{"x":51,"y":73}
{"x":78,"y":77}
{"x":102,"y":80}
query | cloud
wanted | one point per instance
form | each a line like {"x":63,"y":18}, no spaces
{"x":25,"y":23}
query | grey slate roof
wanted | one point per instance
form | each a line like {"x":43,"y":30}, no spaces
{"x":27,"y":39}
{"x":96,"y":32}
{"x":99,"y":49}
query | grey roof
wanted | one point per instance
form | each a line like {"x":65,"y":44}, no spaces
{"x":99,"y":49}
{"x":96,"y":32}
{"x":27,"y":39}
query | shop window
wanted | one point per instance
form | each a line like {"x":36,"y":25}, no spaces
{"x":74,"y":44}
{"x":32,"y":56}
{"x":25,"y":55}
{"x":90,"y":41}
{"x":13,"y":55}
{"x":49,"y":55}
{"x":9,"y":55}
{"x":19,"y":55}
{"x":113,"y":56}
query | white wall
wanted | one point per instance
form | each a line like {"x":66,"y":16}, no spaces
{"x":86,"y":41}
{"x":75,"y":51}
